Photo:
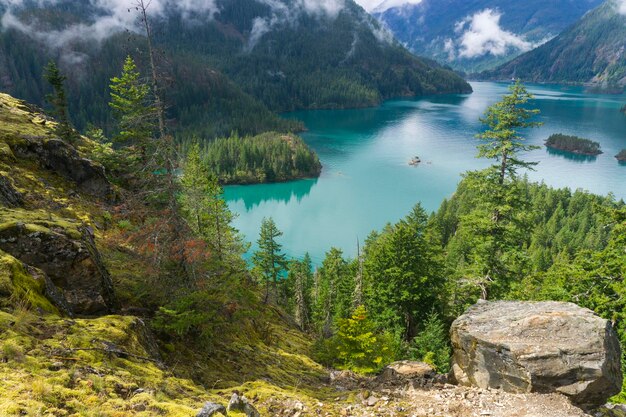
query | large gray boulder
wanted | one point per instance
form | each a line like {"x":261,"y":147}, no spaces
{"x":540,"y":347}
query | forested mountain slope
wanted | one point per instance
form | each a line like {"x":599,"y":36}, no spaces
{"x":229,"y":63}
{"x":591,"y":51}
{"x":471,"y":35}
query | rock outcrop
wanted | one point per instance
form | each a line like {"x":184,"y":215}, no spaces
{"x":58,"y":156}
{"x":542,"y":347}
{"x":210,"y":409}
{"x":403,"y":371}
{"x":9,"y":196}
{"x":67,"y":254}
{"x":241,"y":404}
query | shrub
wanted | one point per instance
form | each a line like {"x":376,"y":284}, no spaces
{"x":11,"y":351}
{"x":432,"y":344}
{"x":356,"y":346}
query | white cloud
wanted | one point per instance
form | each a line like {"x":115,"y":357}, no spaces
{"x":621,"y":6}
{"x":481,"y":34}
{"x":379,"y":7}
{"x":115,"y":16}
{"x":120,"y":15}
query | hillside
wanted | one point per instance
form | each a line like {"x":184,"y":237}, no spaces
{"x":479,"y":34}
{"x":229,"y":67}
{"x":591,"y":51}
{"x":79,"y":330}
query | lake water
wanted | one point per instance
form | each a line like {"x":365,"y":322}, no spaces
{"x":367,"y":182}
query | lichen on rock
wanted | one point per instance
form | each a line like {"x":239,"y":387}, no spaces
{"x":539,"y":347}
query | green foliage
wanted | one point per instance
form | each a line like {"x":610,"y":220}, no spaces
{"x":403,"y":274}
{"x":502,"y":140}
{"x":492,"y":231}
{"x":332,"y":292}
{"x":269,"y":261}
{"x":264,"y":158}
{"x":58,"y":100}
{"x":192,"y":316}
{"x":573,"y":144}
{"x":297,"y":291}
{"x":432,"y":344}
{"x":131,"y":107}
{"x":555,"y":225}
{"x":206,"y":211}
{"x":356,"y":345}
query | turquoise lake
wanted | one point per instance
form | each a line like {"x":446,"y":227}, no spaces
{"x":367,"y":182}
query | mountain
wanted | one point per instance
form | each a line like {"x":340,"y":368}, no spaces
{"x":231,"y":64}
{"x":591,"y":51}
{"x":472,"y":35}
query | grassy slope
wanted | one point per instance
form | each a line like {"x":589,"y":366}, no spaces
{"x":43,"y":367}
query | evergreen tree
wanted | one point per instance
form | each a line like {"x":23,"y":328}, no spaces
{"x":300,"y":278}
{"x":496,"y":227}
{"x":58,"y":100}
{"x":404,"y":274}
{"x":130,"y":106}
{"x":268,"y":260}
{"x":503,"y":142}
{"x":206,"y":211}
{"x":335,"y":288}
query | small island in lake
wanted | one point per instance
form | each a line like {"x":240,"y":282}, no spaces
{"x":269,"y":157}
{"x":573,"y":144}
{"x":621,"y":156}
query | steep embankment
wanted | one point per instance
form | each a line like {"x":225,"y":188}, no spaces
{"x":591,"y":51}
{"x":61,"y":258}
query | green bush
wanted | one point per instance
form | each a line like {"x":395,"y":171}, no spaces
{"x":432,"y":344}
{"x":356,"y":346}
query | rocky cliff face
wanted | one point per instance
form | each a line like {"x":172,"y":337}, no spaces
{"x":65,"y":252}
{"x":59,"y":253}
{"x":545,"y":347}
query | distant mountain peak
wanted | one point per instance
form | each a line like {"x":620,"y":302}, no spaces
{"x":480,"y":34}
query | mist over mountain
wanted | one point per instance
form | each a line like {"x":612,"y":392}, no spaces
{"x":473,"y":35}
{"x":591,"y":51}
{"x":225,"y":58}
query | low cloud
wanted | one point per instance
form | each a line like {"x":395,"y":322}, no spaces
{"x":115,"y":16}
{"x":379,"y":7}
{"x":111,"y":17}
{"x":481,"y":34}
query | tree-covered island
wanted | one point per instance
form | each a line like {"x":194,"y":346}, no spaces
{"x":573,"y":144}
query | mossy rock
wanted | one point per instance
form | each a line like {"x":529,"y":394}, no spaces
{"x":6,"y":153}
{"x":19,"y":285}
{"x":66,"y":252}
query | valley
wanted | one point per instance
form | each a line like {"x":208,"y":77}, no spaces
{"x":298,"y":208}
{"x":365,"y":153}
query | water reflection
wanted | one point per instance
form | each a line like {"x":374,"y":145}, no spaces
{"x":284,"y":192}
{"x":572,"y":156}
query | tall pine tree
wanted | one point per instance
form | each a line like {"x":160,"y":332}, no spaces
{"x":132,"y":109}
{"x":269,"y":261}
{"x":58,"y":100}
